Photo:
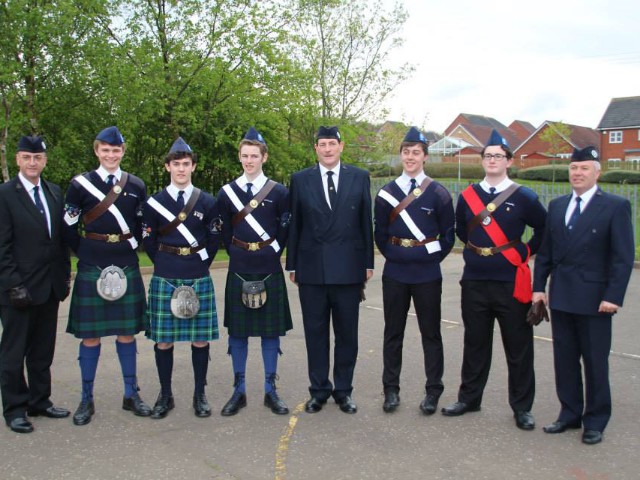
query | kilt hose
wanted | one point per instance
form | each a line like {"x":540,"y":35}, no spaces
{"x":165,"y":327}
{"x":91,"y":316}
{"x":271,"y":320}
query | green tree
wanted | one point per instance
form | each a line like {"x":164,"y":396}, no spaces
{"x":558,"y":136}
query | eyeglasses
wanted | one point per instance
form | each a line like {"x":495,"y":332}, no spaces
{"x":497,"y":156}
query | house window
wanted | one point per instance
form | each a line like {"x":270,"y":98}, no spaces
{"x":613,"y":163}
{"x":615,"y":137}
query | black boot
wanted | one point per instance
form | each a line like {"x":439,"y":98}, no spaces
{"x":272,"y":400}
{"x":237,"y":401}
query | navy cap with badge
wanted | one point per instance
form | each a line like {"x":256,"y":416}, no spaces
{"x":495,"y":139}
{"x":111,"y":135}
{"x":587,"y":153}
{"x":415,"y":136}
{"x":31,"y":144}
{"x":328,"y":132}
{"x":180,"y":149}
{"x":255,"y":136}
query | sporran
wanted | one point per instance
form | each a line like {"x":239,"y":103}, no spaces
{"x":112,"y":283}
{"x":254,"y":292}
{"x":184,"y":302}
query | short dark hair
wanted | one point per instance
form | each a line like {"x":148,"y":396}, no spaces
{"x":424,"y":146}
{"x":179,"y":156}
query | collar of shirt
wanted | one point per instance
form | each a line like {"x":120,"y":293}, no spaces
{"x":585,"y":197}
{"x":173,"y":191}
{"x":335,"y":170}
{"x":28,"y":186}
{"x":104,"y":174}
{"x":256,"y":184}
{"x":404,"y":181}
{"x":501,"y":187}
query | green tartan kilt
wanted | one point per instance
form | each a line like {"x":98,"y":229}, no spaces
{"x":271,"y":320}
{"x":91,"y":316}
{"x":166,"y":327}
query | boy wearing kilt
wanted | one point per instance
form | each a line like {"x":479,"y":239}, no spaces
{"x":255,"y":223}
{"x":103,"y":217}
{"x":180,"y":234}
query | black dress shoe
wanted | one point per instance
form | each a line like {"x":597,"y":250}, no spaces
{"x":136,"y":405}
{"x":201,"y":406}
{"x":524,"y":420}
{"x":347,"y":405}
{"x":164,"y":403}
{"x":559,"y":426}
{"x":83,"y":413}
{"x":20,"y":425}
{"x":391,"y":401}
{"x":429,"y":404}
{"x":275,"y":403}
{"x":51,"y":412}
{"x":237,"y":401}
{"x":591,"y":437}
{"x":314,"y":405}
{"x":459,"y":408}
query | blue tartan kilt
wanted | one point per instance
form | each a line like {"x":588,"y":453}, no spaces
{"x":271,"y":320}
{"x":166,"y":327}
{"x":91,"y":316}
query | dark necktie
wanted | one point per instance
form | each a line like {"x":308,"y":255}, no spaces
{"x":111,"y":179}
{"x":38,"y":201}
{"x":332,"y":190}
{"x":574,"y":215}
{"x":492,"y":191}
{"x":413,"y":186}
{"x":249,"y":185}
{"x":180,"y":200}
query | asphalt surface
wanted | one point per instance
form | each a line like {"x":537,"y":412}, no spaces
{"x":256,"y":444}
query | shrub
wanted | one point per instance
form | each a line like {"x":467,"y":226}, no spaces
{"x":620,"y":176}
{"x":545,"y":173}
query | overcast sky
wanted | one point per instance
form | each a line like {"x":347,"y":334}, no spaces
{"x":559,"y":60}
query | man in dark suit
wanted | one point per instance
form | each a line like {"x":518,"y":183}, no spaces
{"x":330,"y":257}
{"x":588,"y":251}
{"x":34,"y":279}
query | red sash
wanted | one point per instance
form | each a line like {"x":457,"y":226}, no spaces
{"x":522,"y":288}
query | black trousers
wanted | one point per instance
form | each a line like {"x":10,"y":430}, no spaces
{"x":426,"y":297}
{"x":586,"y":337}
{"x":482,"y":303}
{"x":28,"y":338}
{"x":320,"y":305}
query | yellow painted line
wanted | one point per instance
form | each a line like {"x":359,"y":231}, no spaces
{"x":283,"y":444}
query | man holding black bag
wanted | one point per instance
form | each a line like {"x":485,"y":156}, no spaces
{"x":255,"y":225}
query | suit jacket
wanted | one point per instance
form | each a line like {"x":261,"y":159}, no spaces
{"x":330,"y":246}
{"x":593,"y":262}
{"x":28,"y":256}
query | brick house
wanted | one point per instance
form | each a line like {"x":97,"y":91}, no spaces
{"x":620,"y":134}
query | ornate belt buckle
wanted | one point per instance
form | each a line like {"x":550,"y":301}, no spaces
{"x":486,"y":252}
{"x":113,"y":238}
{"x":405,"y":242}
{"x":184,"y":251}
{"x":253,"y":247}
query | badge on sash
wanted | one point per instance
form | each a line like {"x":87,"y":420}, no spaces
{"x":185,"y":302}
{"x":253,"y":203}
{"x":486,"y":220}
{"x":491,"y":207}
{"x":117,"y":189}
{"x":182,"y":216}
{"x":416,"y":192}
{"x":112,"y":283}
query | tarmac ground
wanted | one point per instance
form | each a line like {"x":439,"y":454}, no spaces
{"x":256,"y":444}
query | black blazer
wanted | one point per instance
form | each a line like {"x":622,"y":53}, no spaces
{"x":330,"y":246}
{"x":593,"y":262}
{"x":28,"y":256}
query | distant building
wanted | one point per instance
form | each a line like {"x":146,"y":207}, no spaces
{"x":620,"y":133}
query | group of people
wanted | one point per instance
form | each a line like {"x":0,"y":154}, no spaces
{"x":329,"y":226}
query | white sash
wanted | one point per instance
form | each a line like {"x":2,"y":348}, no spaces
{"x":91,"y":188}
{"x":431,"y":247}
{"x":157,"y":206}
{"x":253,"y":223}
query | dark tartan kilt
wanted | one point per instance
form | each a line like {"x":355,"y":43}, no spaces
{"x":91,"y":316}
{"x":271,"y":320}
{"x":165,"y":327}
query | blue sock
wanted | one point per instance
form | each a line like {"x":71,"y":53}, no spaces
{"x":270,"y":350}
{"x":127,"y":357}
{"x":239,"y":350}
{"x":88,"y":358}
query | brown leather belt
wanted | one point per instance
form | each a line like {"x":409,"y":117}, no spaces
{"x":251,"y":246}
{"x":108,"y":237}
{"x":179,"y":250}
{"x":488,"y":251}
{"x":410,"y":242}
